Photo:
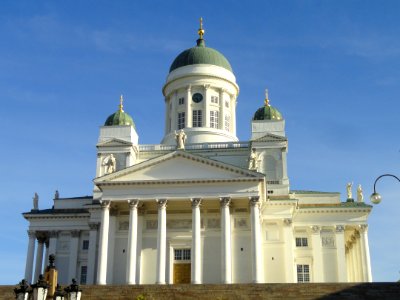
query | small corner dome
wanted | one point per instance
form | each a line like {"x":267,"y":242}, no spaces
{"x":200,"y":54}
{"x":267,"y":112}
{"x":120,"y":118}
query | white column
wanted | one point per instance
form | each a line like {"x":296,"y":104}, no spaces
{"x":233,"y":115}
{"x":91,"y":266}
{"x":29,"y":256}
{"x":132,"y":242}
{"x":356,"y":249}
{"x":226,"y":253}
{"x":318,"y":270}
{"x":365,"y":250}
{"x":39,"y":258}
{"x":188,"y":108}
{"x":221,"y":109}
{"x":173,"y":115}
{"x":196,"y":242}
{"x":257,"y":261}
{"x":206,"y":118}
{"x":341,"y":254}
{"x":289,"y":257}
{"x":46,"y":255}
{"x":161,"y":240}
{"x":73,"y":255}
{"x":53,"y":242}
{"x":103,"y":243}
{"x":167,"y":115}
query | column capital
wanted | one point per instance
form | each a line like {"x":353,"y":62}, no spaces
{"x":339,"y":228}
{"x":363,"y":228}
{"x":94,"y":225}
{"x":356,"y":234}
{"x":225,"y":201}
{"x":41,"y":239}
{"x":254,"y":200}
{"x":75,"y":233}
{"x":287,"y":221}
{"x":206,"y":86}
{"x":105,"y":204}
{"x":53,"y":234}
{"x":315,"y":229}
{"x":162,"y":203}
{"x":133,"y":203}
{"x":31,"y":233}
{"x":195,"y":202}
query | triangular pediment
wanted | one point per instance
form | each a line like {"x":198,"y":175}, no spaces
{"x":113,"y":142}
{"x":269,"y":137}
{"x":179,"y":166}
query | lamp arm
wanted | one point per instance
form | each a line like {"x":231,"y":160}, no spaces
{"x":384,"y":175}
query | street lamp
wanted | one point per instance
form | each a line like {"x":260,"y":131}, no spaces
{"x":376,"y":198}
{"x":40,"y":289}
{"x":22,"y":291}
{"x":59,"y":294}
{"x":73,"y":291}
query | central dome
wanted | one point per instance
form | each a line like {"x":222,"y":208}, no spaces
{"x":200,"y":54}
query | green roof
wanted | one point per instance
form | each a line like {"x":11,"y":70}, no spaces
{"x":267,"y":112}
{"x":200,"y":54}
{"x":119,"y":118}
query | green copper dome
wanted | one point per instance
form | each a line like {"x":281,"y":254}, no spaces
{"x":119,"y":118}
{"x":267,"y":112}
{"x":200,"y":54}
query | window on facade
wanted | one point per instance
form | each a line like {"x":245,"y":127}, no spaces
{"x":197,"y":118}
{"x":181,"y":120}
{"x":181,"y":101}
{"x":227,"y":104}
{"x":83,"y":274}
{"x":214,"y":99}
{"x":85,"y":245}
{"x":303,"y":273}
{"x":214,"y":119}
{"x":182,"y":254}
{"x":227,"y":122}
{"x":301,"y":242}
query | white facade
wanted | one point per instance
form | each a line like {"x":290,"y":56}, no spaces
{"x":218,"y":211}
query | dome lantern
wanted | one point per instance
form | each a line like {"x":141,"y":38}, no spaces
{"x":120,"y":117}
{"x":267,"y":112}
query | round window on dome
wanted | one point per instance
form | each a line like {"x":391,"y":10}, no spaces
{"x":197,"y":97}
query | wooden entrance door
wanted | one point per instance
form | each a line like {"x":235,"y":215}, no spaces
{"x":181,"y":273}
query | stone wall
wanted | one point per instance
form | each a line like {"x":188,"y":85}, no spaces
{"x":352,"y":291}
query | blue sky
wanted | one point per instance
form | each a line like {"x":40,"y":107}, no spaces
{"x":332,"y":69}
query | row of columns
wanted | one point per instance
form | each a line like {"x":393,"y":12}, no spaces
{"x":257,"y":264}
{"x":357,"y":255}
{"x":46,"y":245}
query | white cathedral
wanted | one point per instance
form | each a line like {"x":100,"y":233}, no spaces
{"x":201,"y":206}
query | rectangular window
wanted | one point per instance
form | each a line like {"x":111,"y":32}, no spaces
{"x":197,"y":118}
{"x":83,"y":274}
{"x":301,"y":242}
{"x":181,"y":101}
{"x":227,"y":122}
{"x":182,"y":254}
{"x":85,"y":245}
{"x":214,"y":119}
{"x":303,"y":273}
{"x":227,"y":104}
{"x":214,"y":99}
{"x":181,"y":120}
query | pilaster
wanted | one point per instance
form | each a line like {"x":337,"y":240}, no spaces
{"x":289,"y":257}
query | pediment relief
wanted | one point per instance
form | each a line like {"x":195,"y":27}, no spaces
{"x":113,"y":142}
{"x":179,"y":165}
{"x":269,"y":137}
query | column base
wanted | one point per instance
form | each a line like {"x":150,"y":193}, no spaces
{"x":160,"y":282}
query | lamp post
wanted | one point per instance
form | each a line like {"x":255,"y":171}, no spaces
{"x":59,"y":294}
{"x":376,"y":198}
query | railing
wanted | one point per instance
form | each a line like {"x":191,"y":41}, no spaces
{"x":202,"y":146}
